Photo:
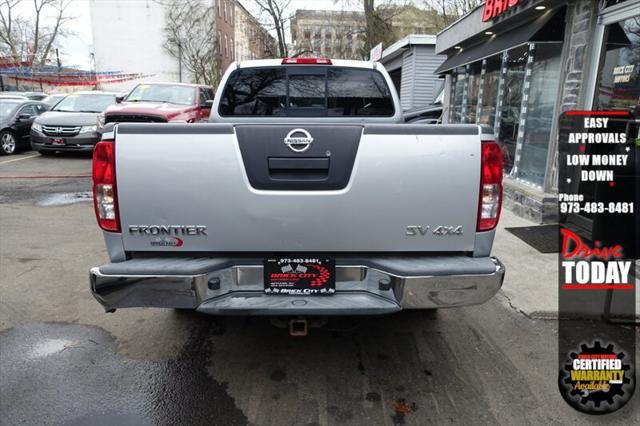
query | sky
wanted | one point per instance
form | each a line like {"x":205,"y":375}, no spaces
{"x":76,"y":49}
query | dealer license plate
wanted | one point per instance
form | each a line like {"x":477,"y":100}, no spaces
{"x":300,"y":276}
{"x":58,"y":141}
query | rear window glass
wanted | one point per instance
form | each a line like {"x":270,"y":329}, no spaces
{"x":306,"y":92}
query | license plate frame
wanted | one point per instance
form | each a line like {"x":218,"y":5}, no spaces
{"x":58,"y":141}
{"x":299,"y":276}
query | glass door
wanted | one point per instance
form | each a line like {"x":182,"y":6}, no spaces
{"x":543,"y":91}
{"x":618,"y":84}
{"x":512,"y":104}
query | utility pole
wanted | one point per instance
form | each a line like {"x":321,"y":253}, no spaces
{"x":180,"y":61}
{"x":18,"y":69}
{"x":94,"y":77}
{"x":59,"y":64}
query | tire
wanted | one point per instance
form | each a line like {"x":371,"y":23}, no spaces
{"x":47,"y":153}
{"x":8,"y":143}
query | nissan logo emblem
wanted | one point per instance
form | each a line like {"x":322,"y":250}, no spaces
{"x":298,"y":140}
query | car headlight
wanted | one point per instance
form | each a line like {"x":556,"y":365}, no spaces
{"x":37,"y":127}
{"x":87,"y":129}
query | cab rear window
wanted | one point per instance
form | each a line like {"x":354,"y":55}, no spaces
{"x":306,"y":91}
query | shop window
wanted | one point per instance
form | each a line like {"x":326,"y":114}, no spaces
{"x":396,"y":78}
{"x":457,"y":95}
{"x":543,"y":91}
{"x":511,"y":104}
{"x":614,"y":2}
{"x":619,"y":76}
{"x":473,"y":88}
{"x":490,"y":86}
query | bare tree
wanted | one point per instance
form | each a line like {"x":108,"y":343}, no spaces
{"x":386,"y":21}
{"x":278,"y":16}
{"x":190,"y":38}
{"x":32,"y":39}
{"x":450,"y":10}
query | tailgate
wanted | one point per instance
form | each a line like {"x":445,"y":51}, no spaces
{"x":274,"y":188}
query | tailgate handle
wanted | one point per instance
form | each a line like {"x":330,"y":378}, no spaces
{"x":283,"y":168}
{"x":299,"y":163}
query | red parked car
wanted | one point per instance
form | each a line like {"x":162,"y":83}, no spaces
{"x":161,"y":103}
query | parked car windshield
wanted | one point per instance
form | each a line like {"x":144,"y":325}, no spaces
{"x":182,"y":95}
{"x":85,"y":103}
{"x":300,"y":91}
{"x":7,"y":109}
{"x":51,"y":100}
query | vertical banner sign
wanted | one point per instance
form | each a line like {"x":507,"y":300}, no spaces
{"x":598,"y":272}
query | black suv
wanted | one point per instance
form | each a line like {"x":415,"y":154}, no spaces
{"x":16,"y":117}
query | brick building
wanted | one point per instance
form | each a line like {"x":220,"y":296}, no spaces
{"x":225,"y":30}
{"x":516,"y":67}
{"x":252,"y":40}
{"x":118,"y":23}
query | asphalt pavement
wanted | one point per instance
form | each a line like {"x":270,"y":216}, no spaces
{"x":63,"y":361}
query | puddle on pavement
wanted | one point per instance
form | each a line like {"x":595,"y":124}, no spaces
{"x":69,"y":375}
{"x":64,"y":199}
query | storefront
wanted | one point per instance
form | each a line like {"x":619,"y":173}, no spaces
{"x":517,"y":65}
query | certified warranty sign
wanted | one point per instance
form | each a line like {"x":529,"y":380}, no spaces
{"x":298,"y":140}
{"x":596,"y":379}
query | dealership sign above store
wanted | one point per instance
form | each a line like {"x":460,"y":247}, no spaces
{"x":493,"y":8}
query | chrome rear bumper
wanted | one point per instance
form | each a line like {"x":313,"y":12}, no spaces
{"x":363,"y":287}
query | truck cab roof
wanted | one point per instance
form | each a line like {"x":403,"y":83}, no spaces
{"x":281,"y":62}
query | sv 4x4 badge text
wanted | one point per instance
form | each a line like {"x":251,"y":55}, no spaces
{"x":420,"y":230}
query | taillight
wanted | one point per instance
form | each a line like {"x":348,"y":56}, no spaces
{"x":105,"y":198}
{"x":490,"y":186}
{"x":306,"y":61}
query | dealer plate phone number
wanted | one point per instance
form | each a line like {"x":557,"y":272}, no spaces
{"x":597,"y":207}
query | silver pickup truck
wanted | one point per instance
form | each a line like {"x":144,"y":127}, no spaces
{"x":305,"y":194}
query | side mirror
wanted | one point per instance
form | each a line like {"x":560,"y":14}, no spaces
{"x":24,"y":117}
{"x":207,"y":104}
{"x":119,"y":99}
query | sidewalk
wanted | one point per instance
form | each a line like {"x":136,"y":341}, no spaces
{"x":531,"y":282}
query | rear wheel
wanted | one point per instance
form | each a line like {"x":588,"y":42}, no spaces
{"x":7,"y":143}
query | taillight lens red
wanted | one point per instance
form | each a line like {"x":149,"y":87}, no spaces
{"x":105,"y":198}
{"x":306,"y":61}
{"x":490,"y":201}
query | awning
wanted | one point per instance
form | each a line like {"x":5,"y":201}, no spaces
{"x":497,"y":44}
